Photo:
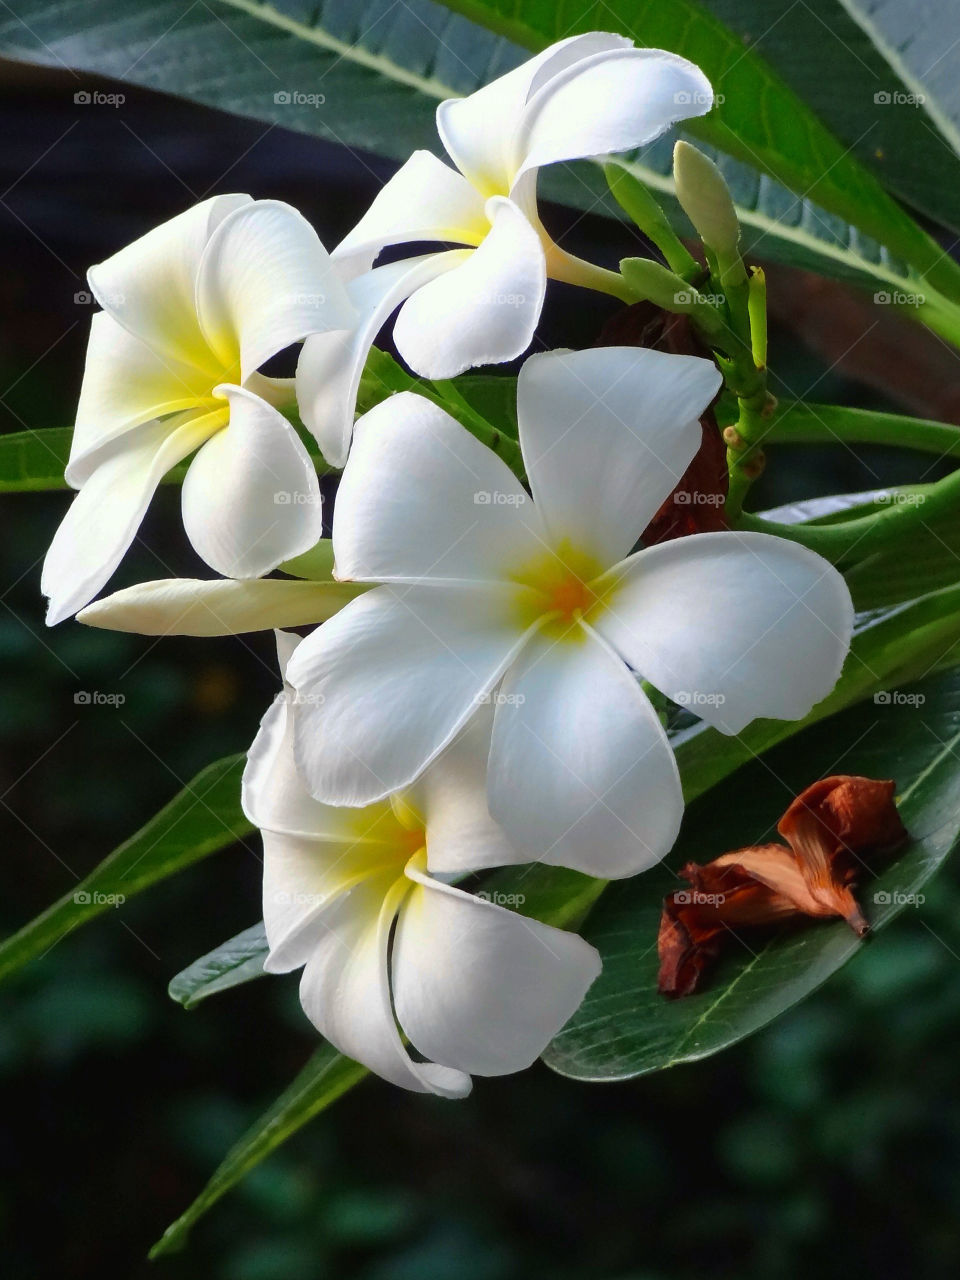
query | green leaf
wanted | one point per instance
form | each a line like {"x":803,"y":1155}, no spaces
{"x":760,"y":120}
{"x":31,"y":461}
{"x":624,"y":1028}
{"x":234,"y":962}
{"x":877,"y":73}
{"x":382,"y":70}
{"x":926,"y":561}
{"x":325,"y":1077}
{"x":204,"y":817}
{"x":34,"y":461}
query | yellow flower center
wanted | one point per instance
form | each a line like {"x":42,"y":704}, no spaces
{"x":564,"y":590}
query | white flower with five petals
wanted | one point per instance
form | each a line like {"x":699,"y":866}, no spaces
{"x":191,"y":311}
{"x":350,"y":896}
{"x":542,"y":607}
{"x":590,"y":95}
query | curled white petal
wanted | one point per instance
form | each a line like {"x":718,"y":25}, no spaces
{"x":251,"y":498}
{"x":483,"y":312}
{"x":331,"y":364}
{"x":482,"y":988}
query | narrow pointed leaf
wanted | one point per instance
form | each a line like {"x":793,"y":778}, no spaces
{"x":325,"y":1078}
{"x":203,"y":818}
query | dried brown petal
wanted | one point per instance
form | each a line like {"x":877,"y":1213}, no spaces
{"x":829,"y":826}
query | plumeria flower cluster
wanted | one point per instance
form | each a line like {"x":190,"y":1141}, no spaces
{"x":474,"y":689}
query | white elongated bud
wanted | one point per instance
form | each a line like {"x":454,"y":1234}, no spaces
{"x":706,"y":199}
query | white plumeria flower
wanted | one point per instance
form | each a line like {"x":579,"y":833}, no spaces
{"x":191,"y":311}
{"x":590,"y":95}
{"x":540,"y":606}
{"x":350,"y":895}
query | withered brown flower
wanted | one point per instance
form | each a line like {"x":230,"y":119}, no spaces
{"x":828,"y":828}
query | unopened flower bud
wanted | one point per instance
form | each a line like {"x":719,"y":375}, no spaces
{"x":706,"y":199}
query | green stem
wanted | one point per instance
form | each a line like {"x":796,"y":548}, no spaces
{"x":794,"y":422}
{"x":572,"y":270}
{"x":445,"y":394}
{"x":868,"y":533}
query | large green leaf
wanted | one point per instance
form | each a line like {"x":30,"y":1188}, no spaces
{"x":880,"y":74}
{"x":204,"y":817}
{"x":760,"y":120}
{"x":325,"y":1077}
{"x":381,"y":68}
{"x":624,"y":1028}
{"x":927,"y":560}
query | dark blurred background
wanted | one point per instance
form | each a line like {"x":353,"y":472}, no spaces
{"x":827,"y":1145}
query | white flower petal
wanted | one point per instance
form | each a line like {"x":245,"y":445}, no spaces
{"x":217,"y":607}
{"x":483,"y":312}
{"x":581,"y":773}
{"x":452,"y":796}
{"x":251,"y":497}
{"x":125,"y":384}
{"x":275,"y":798}
{"x":149,"y":286}
{"x":609,"y":102}
{"x":459,"y":512}
{"x":733,"y":625}
{"x":266,"y":281}
{"x":345,"y":992}
{"x":104,"y":517}
{"x":606,"y":434}
{"x":478,"y":131}
{"x":481,"y":988}
{"x":391,"y":679}
{"x":331,"y":364}
{"x":312,"y":852}
{"x":303,"y":881}
{"x":424,"y":200}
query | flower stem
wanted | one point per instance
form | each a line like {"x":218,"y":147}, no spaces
{"x":866,"y":534}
